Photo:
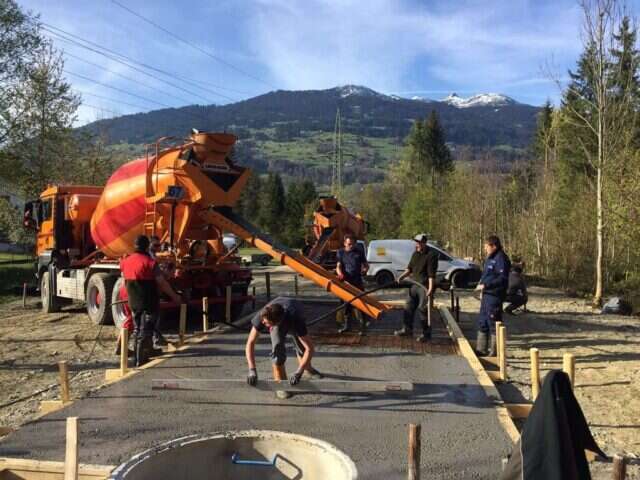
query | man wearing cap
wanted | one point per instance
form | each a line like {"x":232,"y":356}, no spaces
{"x":142,"y":280}
{"x":422,"y":269}
{"x":352,"y":264}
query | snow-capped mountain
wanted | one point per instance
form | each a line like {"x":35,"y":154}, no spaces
{"x":481,"y":100}
{"x":349,"y":90}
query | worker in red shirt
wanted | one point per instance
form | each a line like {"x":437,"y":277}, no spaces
{"x":143,"y":278}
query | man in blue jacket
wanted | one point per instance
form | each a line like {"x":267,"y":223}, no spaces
{"x":493,"y":285}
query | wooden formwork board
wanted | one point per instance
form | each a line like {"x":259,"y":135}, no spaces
{"x":17,"y":468}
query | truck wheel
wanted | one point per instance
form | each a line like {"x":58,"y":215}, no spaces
{"x":98,"y":298}
{"x":264,"y":261}
{"x":50,"y":303}
{"x":117,"y":309}
{"x":384,"y":277}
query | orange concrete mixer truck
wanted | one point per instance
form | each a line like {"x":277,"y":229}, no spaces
{"x":183,"y":192}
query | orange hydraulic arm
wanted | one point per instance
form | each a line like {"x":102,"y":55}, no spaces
{"x":226,"y":220}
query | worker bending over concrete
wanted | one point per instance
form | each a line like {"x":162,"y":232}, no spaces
{"x":493,"y":285}
{"x":517,"y":290}
{"x":422,"y":268}
{"x":280,"y":317}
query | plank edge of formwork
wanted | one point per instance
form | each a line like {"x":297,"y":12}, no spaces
{"x":485,"y":381}
{"x":85,"y":471}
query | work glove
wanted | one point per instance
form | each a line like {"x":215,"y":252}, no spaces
{"x":295,"y":378}
{"x":341,"y":277}
{"x":252,"y":378}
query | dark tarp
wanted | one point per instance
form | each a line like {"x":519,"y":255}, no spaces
{"x":554,"y":437}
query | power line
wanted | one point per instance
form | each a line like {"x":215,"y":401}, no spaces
{"x":118,"y":89}
{"x":137,"y":82}
{"x":82,"y":92}
{"x":100,"y":108}
{"x":119,"y":60}
{"x":168,"y":32}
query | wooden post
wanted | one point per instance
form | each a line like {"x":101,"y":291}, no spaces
{"x":498,"y":325}
{"x":535,"y":373}
{"x":183,"y":322}
{"x":295,"y":284}
{"x":205,"y":314}
{"x":253,"y":294}
{"x":457,"y":309}
{"x":124,"y":351}
{"x":429,"y":311}
{"x":227,"y":310}
{"x":24,"y":295}
{"x":64,"y":382}
{"x":619,"y":467}
{"x":267,"y":280}
{"x":502,"y":349}
{"x":414,"y":452}
{"x":71,"y":452}
{"x":569,"y":366}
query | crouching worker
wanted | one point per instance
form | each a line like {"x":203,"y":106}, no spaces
{"x":143,"y":279}
{"x":516,"y":291}
{"x":280,"y":317}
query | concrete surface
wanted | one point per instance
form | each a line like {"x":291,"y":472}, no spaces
{"x":461,"y":436}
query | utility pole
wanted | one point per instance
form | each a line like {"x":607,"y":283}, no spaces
{"x":336,"y":176}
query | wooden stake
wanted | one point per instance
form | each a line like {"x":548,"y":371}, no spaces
{"x":71,"y":452}
{"x":64,"y":382}
{"x":502,"y":348}
{"x":24,"y":295}
{"x":183,"y":322}
{"x":227,"y":310}
{"x":535,"y":373}
{"x":619,"y":467}
{"x":429,"y":311}
{"x":498,"y":325}
{"x":569,"y":366}
{"x":124,"y":351}
{"x":267,"y":280}
{"x":295,"y":284}
{"x":414,"y":452}
{"x":205,"y":314}
{"x":253,"y":294}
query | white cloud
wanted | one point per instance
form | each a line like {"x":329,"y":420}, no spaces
{"x":321,"y":43}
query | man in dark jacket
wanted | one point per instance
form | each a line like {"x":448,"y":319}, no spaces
{"x":493,"y":285}
{"x":352,"y":264}
{"x":516,"y":291}
{"x":422,"y":270}
{"x":142,"y":280}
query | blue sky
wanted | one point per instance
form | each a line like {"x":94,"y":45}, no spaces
{"x":405,"y":47}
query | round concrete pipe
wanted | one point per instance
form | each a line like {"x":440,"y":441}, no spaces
{"x":248,"y":454}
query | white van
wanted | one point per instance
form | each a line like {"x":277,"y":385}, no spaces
{"x":389,"y":258}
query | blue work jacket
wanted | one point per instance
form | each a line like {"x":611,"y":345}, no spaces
{"x":495,"y":276}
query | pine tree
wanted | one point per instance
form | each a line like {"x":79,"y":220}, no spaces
{"x":272,"y":206}
{"x":249,"y":203}
{"x":428,"y":155}
{"x":300,"y":197}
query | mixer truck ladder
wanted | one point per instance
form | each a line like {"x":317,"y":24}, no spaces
{"x":230,"y":222}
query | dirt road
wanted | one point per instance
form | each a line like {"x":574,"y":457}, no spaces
{"x":607,"y":353}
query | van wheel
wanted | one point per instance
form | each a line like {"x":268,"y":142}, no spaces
{"x":50,"y":303}
{"x":98,"y":298}
{"x":458,"y":279}
{"x":384,"y":277}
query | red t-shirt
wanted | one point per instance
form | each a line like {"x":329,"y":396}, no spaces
{"x":139,"y":266}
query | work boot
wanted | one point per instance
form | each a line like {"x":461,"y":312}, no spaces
{"x":481,"y":344}
{"x":492,"y":349}
{"x":403,"y":332}
{"x":144,"y":346}
{"x":345,"y":327}
{"x":159,"y":341}
{"x":425,"y":337}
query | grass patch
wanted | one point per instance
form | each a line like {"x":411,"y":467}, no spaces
{"x":12,"y":277}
